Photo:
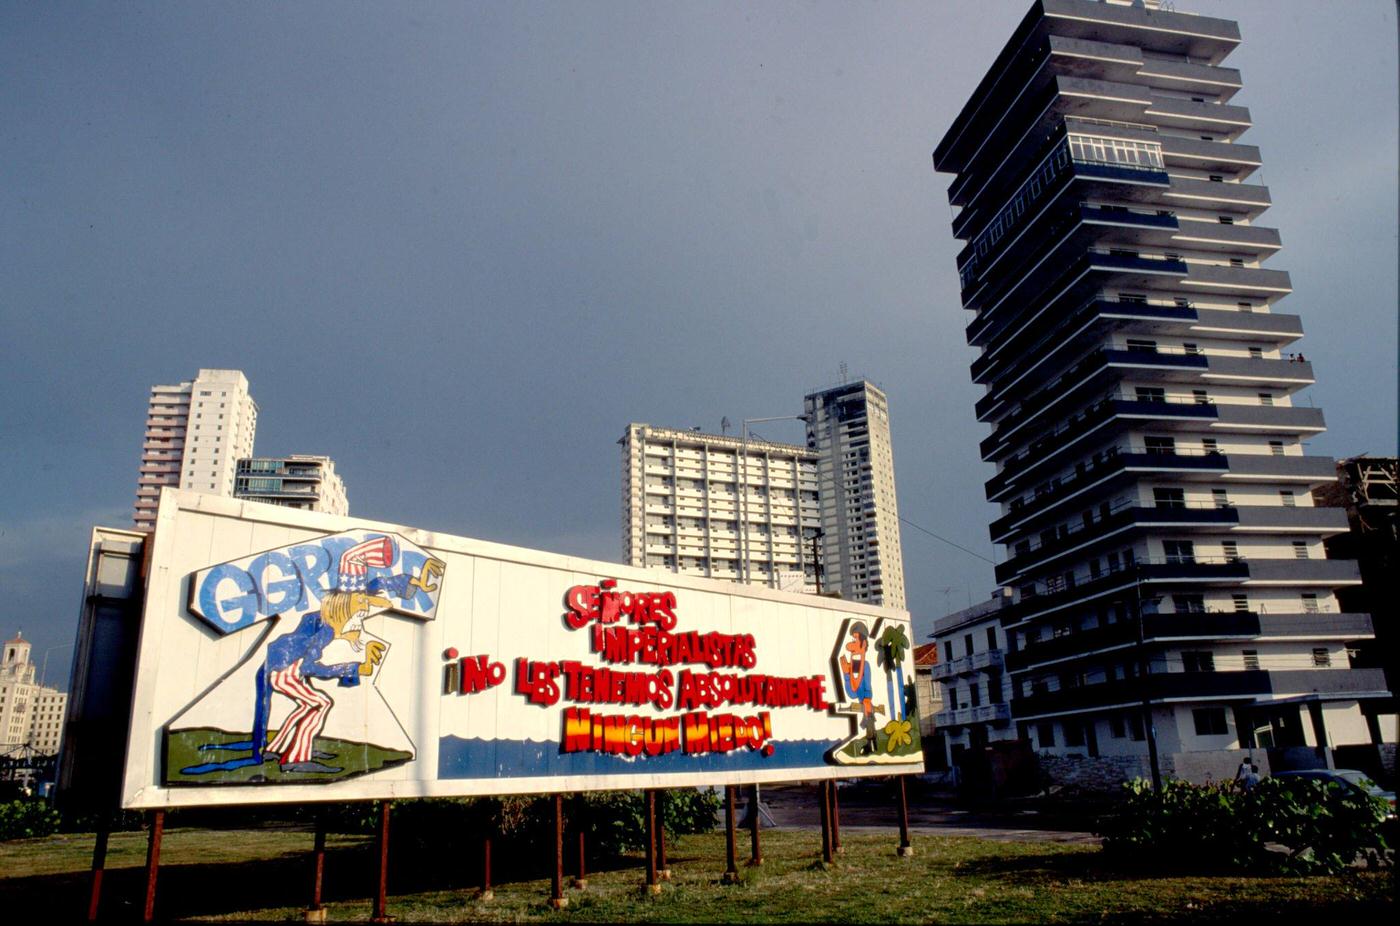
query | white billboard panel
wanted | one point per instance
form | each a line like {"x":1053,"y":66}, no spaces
{"x":292,"y":656}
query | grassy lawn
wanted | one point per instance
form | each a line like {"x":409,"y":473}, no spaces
{"x":264,"y":875}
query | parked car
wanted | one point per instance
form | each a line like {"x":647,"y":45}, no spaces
{"x":1347,"y":778}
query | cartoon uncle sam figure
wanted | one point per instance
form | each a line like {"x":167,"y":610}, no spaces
{"x":326,"y":656}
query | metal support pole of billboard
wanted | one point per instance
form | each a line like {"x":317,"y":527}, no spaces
{"x":835,"y":818}
{"x":755,"y":816}
{"x":99,"y":865}
{"x":649,"y":811}
{"x":315,"y":913}
{"x":906,"y":849}
{"x":381,"y":893}
{"x":825,"y":804}
{"x":486,"y":892}
{"x":581,"y":879}
{"x":557,"y":900}
{"x":157,"y":819}
{"x":731,"y":872}
{"x":663,"y":868}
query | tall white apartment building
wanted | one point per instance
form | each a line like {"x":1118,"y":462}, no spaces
{"x":31,"y":714}
{"x":848,"y":427}
{"x":1172,"y":595}
{"x":297,"y":480}
{"x":195,"y":434}
{"x":719,"y":506}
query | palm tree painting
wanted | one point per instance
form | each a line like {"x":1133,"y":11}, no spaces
{"x":894,"y":643}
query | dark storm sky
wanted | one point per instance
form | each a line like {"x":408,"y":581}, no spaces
{"x":458,"y":247}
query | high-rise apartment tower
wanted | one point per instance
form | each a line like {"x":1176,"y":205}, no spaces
{"x":298,"y":480}
{"x":849,"y":428}
{"x":1150,"y":460}
{"x":719,"y":506}
{"x":195,"y":434}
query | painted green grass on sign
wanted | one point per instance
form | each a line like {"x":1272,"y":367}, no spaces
{"x":349,"y":758}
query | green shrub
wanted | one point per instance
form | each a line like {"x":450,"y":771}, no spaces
{"x":25,"y":818}
{"x":1282,"y":826}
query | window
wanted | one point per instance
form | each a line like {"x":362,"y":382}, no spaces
{"x":1210,"y":721}
{"x":1321,"y":657}
{"x":1251,"y":660}
{"x":1231,"y":549}
{"x":1133,"y":298}
{"x":1237,"y":262}
{"x":1217,"y":178}
{"x":1210,"y":445}
{"x":974,"y":694}
{"x":968,"y":648}
{"x":1160,"y":444}
{"x":1256,"y":353}
{"x":1300,"y":549}
{"x":1266,"y":398}
{"x":1227,"y":220}
{"x":1115,"y":726}
{"x":1074,"y":734}
{"x":1276,"y":448}
{"x":1151,"y":394}
{"x":1198,"y":660}
{"x":1179,"y":551}
{"x":1045,"y":735}
{"x":1221,"y":498}
{"x":947,"y":651}
{"x":1286,"y":496}
{"x":1310,"y":603}
{"x":1135,"y":728}
{"x":1188,"y":604}
{"x":1142,"y":345}
{"x":1191,"y":350}
{"x":1169,"y":498}
{"x":991,"y":638}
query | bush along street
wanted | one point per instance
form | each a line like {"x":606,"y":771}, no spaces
{"x":1276,"y":827}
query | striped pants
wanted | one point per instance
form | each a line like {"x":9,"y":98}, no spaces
{"x":294,"y":742}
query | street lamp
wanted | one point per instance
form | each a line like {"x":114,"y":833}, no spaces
{"x":744,"y":488}
{"x":44,"y":672}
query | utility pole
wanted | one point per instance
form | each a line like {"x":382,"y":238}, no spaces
{"x":1149,"y":728}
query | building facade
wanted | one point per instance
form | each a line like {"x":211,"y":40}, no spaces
{"x":196,"y":432}
{"x":971,"y":675}
{"x":31,"y":714}
{"x":1165,"y":559}
{"x":848,"y":426}
{"x":719,"y":506}
{"x":295,"y":481}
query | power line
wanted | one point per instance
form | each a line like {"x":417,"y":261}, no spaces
{"x":946,"y":540}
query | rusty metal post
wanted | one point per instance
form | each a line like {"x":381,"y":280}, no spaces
{"x":824,"y":802}
{"x":99,"y":866}
{"x":835,"y":817}
{"x":755,"y":847}
{"x":905,"y":848}
{"x":318,"y":868}
{"x":731,"y":873}
{"x":649,"y":812}
{"x":381,"y":893}
{"x":663,"y":870}
{"x":581,"y":879}
{"x":157,"y":819}
{"x":486,"y":892}
{"x":557,"y":900}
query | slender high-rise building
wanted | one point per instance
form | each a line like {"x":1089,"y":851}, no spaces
{"x":195,"y":433}
{"x":1171,"y":592}
{"x":848,"y":426}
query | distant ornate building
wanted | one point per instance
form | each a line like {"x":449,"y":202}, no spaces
{"x":31,"y":714}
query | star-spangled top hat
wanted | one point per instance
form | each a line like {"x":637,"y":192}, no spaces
{"x":356,"y":562}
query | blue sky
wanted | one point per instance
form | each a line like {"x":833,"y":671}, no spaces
{"x":458,"y":247}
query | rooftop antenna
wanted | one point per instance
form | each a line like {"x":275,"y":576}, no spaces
{"x":724,"y":426}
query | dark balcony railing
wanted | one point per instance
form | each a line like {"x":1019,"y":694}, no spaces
{"x":1117,"y":460}
{"x":1136,"y":517}
{"x":1185,"y":571}
{"x":985,"y":713}
{"x":966,"y":665}
{"x":1246,"y":685}
{"x":1083,"y":422}
{"x":1156,"y":628}
{"x":1065,"y":389}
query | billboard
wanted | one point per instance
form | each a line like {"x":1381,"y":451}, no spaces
{"x":293,"y":656}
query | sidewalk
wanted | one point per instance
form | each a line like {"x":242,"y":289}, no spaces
{"x":874,"y":807}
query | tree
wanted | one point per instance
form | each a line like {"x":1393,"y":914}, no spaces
{"x":894,"y":643}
